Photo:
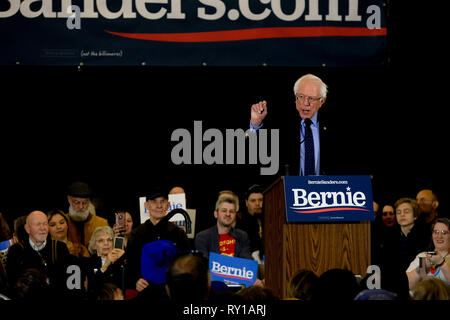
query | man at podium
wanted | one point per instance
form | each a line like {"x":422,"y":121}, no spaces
{"x":310,"y":94}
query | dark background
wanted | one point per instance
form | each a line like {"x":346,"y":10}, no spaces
{"x":111,"y":126}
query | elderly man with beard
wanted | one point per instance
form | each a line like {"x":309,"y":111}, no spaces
{"x":82,"y":221}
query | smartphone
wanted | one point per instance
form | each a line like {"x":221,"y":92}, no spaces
{"x":120,"y":221}
{"x":119,"y":242}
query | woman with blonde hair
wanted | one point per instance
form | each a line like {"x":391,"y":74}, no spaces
{"x":106,"y":264}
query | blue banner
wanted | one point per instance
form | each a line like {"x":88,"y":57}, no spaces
{"x":232,"y":270}
{"x":328,"y":198}
{"x":193,"y":32}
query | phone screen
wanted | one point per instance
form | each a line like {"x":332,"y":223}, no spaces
{"x":118,"y":242}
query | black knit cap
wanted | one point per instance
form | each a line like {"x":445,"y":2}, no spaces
{"x":156,"y":192}
{"x":79,"y":190}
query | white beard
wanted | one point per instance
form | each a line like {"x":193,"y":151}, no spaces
{"x":78,"y":215}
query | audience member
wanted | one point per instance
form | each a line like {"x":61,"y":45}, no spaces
{"x":109,"y":291}
{"x":252,"y":221}
{"x":19,"y":234}
{"x":40,"y":252}
{"x":222,"y":237}
{"x":58,"y":227}
{"x":388,"y":216}
{"x":433,"y":264}
{"x":187,"y":279}
{"x":431,"y":289}
{"x":428,"y":204}
{"x":409,"y":237}
{"x":32,"y":285}
{"x":382,"y":229}
{"x":231,"y":194}
{"x":106,"y":264}
{"x":5,"y":233}
{"x":128,"y":227}
{"x":257,"y":295}
{"x":301,"y":285}
{"x":155,"y":228}
{"x":5,"y":243}
{"x":82,"y":220}
{"x":335,"y":285}
{"x":375,"y":294}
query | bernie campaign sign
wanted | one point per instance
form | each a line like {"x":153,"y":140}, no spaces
{"x":193,"y":32}
{"x":328,"y":198}
{"x":232,"y":270}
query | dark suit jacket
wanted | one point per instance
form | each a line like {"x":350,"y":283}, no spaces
{"x":208,"y":241}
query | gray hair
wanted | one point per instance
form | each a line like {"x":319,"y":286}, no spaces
{"x":97,"y":232}
{"x":309,"y":76}
{"x":227,"y":200}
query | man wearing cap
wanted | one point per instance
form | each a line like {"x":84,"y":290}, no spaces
{"x":82,"y":221}
{"x":155,"y":228}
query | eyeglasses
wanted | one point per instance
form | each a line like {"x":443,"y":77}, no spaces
{"x":103,"y":240}
{"x":304,"y":98}
{"x":438,"y":232}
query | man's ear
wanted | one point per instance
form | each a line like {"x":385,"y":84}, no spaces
{"x":167,"y":206}
{"x":69,"y":199}
{"x":435,"y":204}
{"x":215,"y":214}
{"x":27,"y":228}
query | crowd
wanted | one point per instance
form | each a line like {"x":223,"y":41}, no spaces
{"x":79,"y":255}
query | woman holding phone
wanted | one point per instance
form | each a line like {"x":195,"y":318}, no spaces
{"x":433,"y":264}
{"x":107,"y":263}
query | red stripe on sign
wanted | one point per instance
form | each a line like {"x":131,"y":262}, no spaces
{"x":252,"y":34}
{"x":332,"y":209}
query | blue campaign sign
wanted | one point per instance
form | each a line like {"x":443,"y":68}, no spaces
{"x":328,"y":198}
{"x":232,"y":270}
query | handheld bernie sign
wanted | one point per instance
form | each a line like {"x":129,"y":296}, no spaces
{"x":232,"y":270}
{"x":328,"y":198}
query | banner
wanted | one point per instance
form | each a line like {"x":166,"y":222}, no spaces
{"x":232,"y":270}
{"x":328,"y":198}
{"x":193,"y":32}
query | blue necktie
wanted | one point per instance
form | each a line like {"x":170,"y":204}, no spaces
{"x":309,"y":149}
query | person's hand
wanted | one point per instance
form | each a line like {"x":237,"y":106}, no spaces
{"x":118,"y":232}
{"x":258,"y":113}
{"x":115,"y":254}
{"x":435,"y":259}
{"x":141,"y":284}
{"x":259,"y":283}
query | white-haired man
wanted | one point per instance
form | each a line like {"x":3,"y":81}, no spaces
{"x":310,"y":94}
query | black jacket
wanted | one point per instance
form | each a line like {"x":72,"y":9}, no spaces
{"x":208,"y":241}
{"x":52,"y":260}
{"x":145,"y":233}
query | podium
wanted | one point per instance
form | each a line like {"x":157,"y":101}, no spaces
{"x":318,"y":247}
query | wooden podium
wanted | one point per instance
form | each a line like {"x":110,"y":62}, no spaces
{"x":318,"y":247}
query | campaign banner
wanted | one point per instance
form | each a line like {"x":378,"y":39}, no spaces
{"x":232,"y":270}
{"x":193,"y":32}
{"x":328,"y":198}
